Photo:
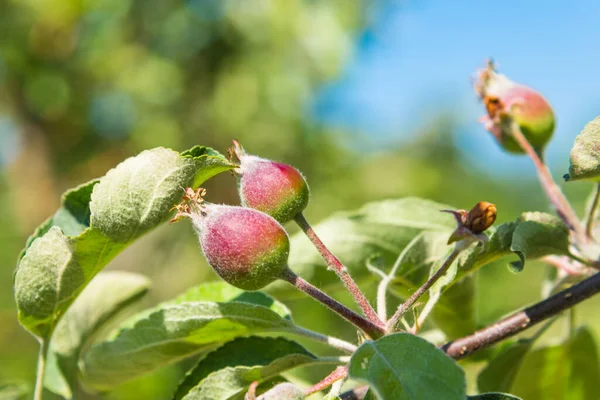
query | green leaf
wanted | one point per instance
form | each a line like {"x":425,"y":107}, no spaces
{"x":585,"y":154}
{"x":14,"y":391}
{"x":536,"y":235}
{"x":383,"y":228}
{"x":494,"y":396}
{"x":73,"y":216}
{"x":403,"y":366}
{"x":95,"y":222}
{"x":228,"y":371}
{"x":532,"y":235}
{"x":52,"y":273}
{"x":498,"y":246}
{"x":501,"y":371}
{"x":217,"y":291}
{"x":139,"y":193}
{"x":569,"y":371}
{"x":454,"y":312}
{"x":220,"y":291}
{"x":172,"y":333}
{"x":105,"y":296}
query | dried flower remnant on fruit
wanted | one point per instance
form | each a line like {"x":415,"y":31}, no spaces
{"x":274,"y":188}
{"x":506,"y":101}
{"x":191,"y":199}
{"x":472,"y":224}
{"x":246,"y":248}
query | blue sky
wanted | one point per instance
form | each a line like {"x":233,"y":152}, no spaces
{"x":419,"y":58}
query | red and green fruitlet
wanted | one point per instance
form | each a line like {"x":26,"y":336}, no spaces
{"x":525,"y":106}
{"x":246,"y":248}
{"x":274,"y":188}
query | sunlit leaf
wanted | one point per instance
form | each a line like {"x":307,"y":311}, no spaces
{"x":227,"y":372}
{"x":403,"y":366}
{"x":536,"y":235}
{"x":174,"y":332}
{"x":96,"y":221}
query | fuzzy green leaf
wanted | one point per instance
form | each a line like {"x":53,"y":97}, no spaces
{"x":73,"y":216}
{"x":227,"y":372}
{"x":172,"y":333}
{"x":139,"y":193}
{"x":536,"y":235}
{"x":383,"y":228}
{"x":570,"y":371}
{"x":532,"y":235}
{"x":403,"y":366}
{"x":105,"y":296}
{"x":220,"y":291}
{"x":498,"y":246}
{"x":95,"y":222}
{"x":585,"y":154}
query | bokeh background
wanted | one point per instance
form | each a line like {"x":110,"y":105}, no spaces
{"x":370,"y":99}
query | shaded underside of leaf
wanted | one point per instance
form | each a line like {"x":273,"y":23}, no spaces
{"x":105,"y":296}
{"x":174,"y":332}
{"x":569,"y":371}
{"x":501,"y":371}
{"x":229,"y":370}
{"x":403,"y":366}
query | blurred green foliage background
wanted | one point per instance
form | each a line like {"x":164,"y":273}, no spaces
{"x":86,"y":83}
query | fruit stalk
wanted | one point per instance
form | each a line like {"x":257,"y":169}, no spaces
{"x":342,"y":272}
{"x":556,"y":197}
{"x":371,"y":329}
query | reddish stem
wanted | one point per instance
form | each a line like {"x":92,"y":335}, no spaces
{"x":336,"y":375}
{"x":341,"y":271}
{"x":373,"y":330}
{"x":556,"y":197}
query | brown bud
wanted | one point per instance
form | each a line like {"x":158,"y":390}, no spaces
{"x":481,"y":217}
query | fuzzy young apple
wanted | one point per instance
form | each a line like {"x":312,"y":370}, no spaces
{"x":274,"y":188}
{"x":247,"y":248}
